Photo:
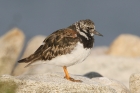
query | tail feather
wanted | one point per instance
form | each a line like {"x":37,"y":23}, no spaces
{"x":30,"y":63}
{"x":27,"y":59}
{"x":23,"y":60}
{"x":31,"y":59}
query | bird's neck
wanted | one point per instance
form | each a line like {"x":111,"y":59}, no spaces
{"x":86,"y":39}
{"x":87,"y":43}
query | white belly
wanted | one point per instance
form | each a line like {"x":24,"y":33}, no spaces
{"x":79,"y":54}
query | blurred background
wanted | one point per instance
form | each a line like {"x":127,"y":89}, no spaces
{"x":42,"y":17}
{"x":113,"y":58}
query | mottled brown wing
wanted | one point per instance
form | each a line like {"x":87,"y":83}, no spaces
{"x":58,"y":43}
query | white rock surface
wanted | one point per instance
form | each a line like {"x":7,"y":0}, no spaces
{"x":10,"y":47}
{"x":55,"y":83}
{"x":118,"y":68}
{"x":125,"y":45}
{"x":134,"y":83}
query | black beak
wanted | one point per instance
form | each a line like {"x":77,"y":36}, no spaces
{"x":97,"y":33}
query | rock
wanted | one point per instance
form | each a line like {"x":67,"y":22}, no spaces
{"x":32,"y":45}
{"x":134,"y":83}
{"x":8,"y":87}
{"x":55,"y":83}
{"x":125,"y":45}
{"x":118,"y":68}
{"x":100,"y":50}
{"x":10,"y":47}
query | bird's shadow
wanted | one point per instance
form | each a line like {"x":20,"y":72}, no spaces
{"x":92,"y":75}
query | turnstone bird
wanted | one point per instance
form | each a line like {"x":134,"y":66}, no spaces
{"x":66,"y":47}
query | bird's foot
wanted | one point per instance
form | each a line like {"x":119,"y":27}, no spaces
{"x":73,"y":80}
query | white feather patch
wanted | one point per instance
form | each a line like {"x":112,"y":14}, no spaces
{"x":83,"y":34}
{"x":78,"y":55}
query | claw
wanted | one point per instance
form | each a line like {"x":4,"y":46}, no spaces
{"x":73,"y":80}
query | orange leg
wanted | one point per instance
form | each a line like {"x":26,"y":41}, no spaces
{"x":68,"y":77}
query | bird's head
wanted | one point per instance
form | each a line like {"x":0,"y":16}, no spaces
{"x":86,"y":28}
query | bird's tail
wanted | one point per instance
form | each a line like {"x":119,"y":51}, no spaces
{"x":31,"y":59}
{"x":27,"y":59}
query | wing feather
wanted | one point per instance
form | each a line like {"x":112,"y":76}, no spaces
{"x":58,"y":43}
